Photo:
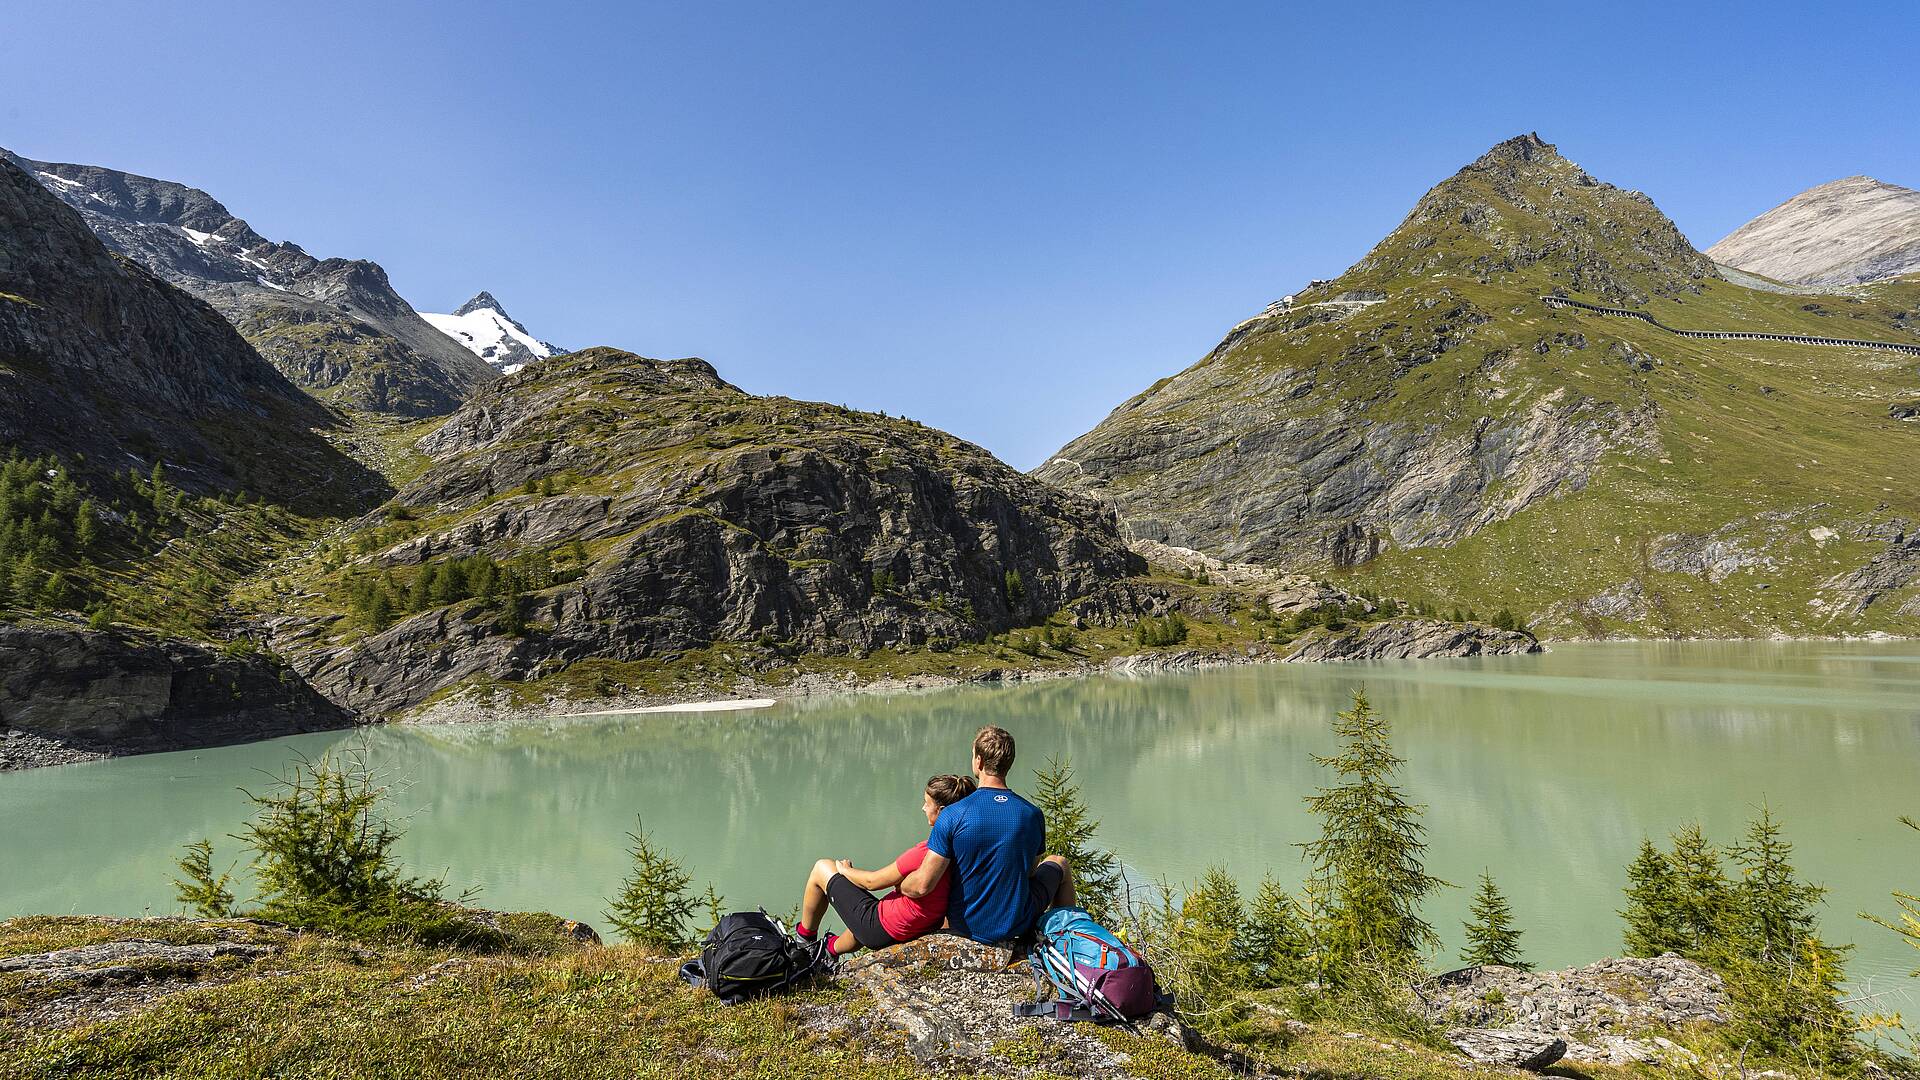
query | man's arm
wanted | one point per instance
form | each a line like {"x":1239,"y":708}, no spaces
{"x":921,"y":881}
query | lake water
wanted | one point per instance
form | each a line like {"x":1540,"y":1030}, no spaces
{"x":1547,"y":769}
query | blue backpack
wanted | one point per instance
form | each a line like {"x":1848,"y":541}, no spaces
{"x":1089,"y":973}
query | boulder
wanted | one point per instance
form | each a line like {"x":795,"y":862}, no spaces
{"x":1600,"y":1010}
{"x":1508,"y":1048}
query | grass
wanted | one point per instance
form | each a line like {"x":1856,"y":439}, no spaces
{"x":552,"y":1006}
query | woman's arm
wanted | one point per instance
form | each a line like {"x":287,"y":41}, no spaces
{"x":871,"y":880}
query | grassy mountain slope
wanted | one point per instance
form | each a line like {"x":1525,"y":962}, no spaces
{"x":1425,"y":424}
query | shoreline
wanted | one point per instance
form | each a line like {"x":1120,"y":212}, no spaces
{"x":21,"y":751}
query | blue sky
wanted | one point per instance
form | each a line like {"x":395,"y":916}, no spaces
{"x":1000,"y":220}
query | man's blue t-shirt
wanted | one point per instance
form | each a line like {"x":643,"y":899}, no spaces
{"x":992,"y":837}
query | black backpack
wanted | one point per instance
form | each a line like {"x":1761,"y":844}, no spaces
{"x":748,"y":955}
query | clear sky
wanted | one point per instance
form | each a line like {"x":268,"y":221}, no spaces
{"x":1000,"y":220}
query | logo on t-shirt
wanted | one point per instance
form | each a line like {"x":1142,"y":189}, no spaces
{"x":999,"y":798}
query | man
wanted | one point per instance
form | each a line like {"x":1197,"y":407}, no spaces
{"x":992,"y":840}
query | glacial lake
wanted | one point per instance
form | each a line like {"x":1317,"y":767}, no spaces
{"x":1547,"y":769}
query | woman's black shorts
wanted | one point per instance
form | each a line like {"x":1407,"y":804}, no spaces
{"x":860,"y":910}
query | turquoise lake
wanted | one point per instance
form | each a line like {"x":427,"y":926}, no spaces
{"x":1546,"y":769}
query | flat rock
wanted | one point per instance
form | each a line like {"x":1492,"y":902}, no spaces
{"x":1508,"y":1048}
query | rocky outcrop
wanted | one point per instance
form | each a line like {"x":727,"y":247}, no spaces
{"x":1847,"y":231}
{"x":1413,"y":639}
{"x":334,"y":326}
{"x":1602,"y":1011}
{"x":705,"y":514}
{"x":950,"y":1000}
{"x":101,"y":359}
{"x":1895,"y":567}
{"x":68,"y":694}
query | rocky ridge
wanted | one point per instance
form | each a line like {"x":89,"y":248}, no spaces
{"x":101,"y":360}
{"x":704,"y":514}
{"x":334,"y":326}
{"x":1843,"y":232}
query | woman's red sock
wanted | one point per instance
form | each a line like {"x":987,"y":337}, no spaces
{"x":805,"y":934}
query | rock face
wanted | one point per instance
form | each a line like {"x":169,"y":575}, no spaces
{"x":1414,"y":639}
{"x":70,"y":693}
{"x":1428,"y":423}
{"x":334,"y":326}
{"x":705,"y":514}
{"x":483,"y":327}
{"x":100,"y":358}
{"x":1598,"y":1011}
{"x":1845,"y":232}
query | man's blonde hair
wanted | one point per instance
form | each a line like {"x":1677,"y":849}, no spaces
{"x":994,"y":747}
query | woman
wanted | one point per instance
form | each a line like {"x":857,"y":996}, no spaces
{"x":877,"y":922}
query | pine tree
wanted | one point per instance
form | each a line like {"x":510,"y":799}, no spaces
{"x":86,"y":532}
{"x":1275,"y":940}
{"x":1370,"y":854}
{"x":1776,"y":909}
{"x":420,"y":591}
{"x":1652,"y":913}
{"x":1491,"y":938}
{"x":1703,"y":896}
{"x":379,"y":609}
{"x":653,"y":906}
{"x":1205,"y":937}
{"x":1070,"y":829}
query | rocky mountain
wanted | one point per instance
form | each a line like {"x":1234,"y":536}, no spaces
{"x":333,"y":326}
{"x":602,"y":505}
{"x":112,"y":368}
{"x":483,"y":327}
{"x":1427,"y":423}
{"x":1852,"y":230}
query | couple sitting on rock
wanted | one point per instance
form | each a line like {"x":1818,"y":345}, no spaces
{"x":981,"y":871}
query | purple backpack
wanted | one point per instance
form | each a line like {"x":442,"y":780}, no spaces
{"x":1089,"y":973}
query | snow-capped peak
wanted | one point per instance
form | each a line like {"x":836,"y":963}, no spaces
{"x":484,"y":327}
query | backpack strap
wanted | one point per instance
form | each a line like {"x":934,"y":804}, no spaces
{"x":1063,"y":1011}
{"x":694,"y":973}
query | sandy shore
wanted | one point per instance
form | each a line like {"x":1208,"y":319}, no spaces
{"x":723,"y":705}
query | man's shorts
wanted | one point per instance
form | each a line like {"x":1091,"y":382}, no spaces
{"x":1042,"y":886}
{"x":860,"y":910}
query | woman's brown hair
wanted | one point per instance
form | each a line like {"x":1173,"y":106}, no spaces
{"x":947,"y":789}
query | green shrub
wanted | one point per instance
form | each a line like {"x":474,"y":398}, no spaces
{"x":653,"y":906}
{"x":323,"y":859}
{"x":1171,"y":630}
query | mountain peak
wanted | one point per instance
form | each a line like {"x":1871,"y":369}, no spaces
{"x":481,"y":301}
{"x":1520,"y":148}
{"x":1522,"y":212}
{"x":483,"y":326}
{"x":1843,"y":232}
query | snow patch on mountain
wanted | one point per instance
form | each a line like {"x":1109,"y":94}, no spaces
{"x":483,"y":326}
